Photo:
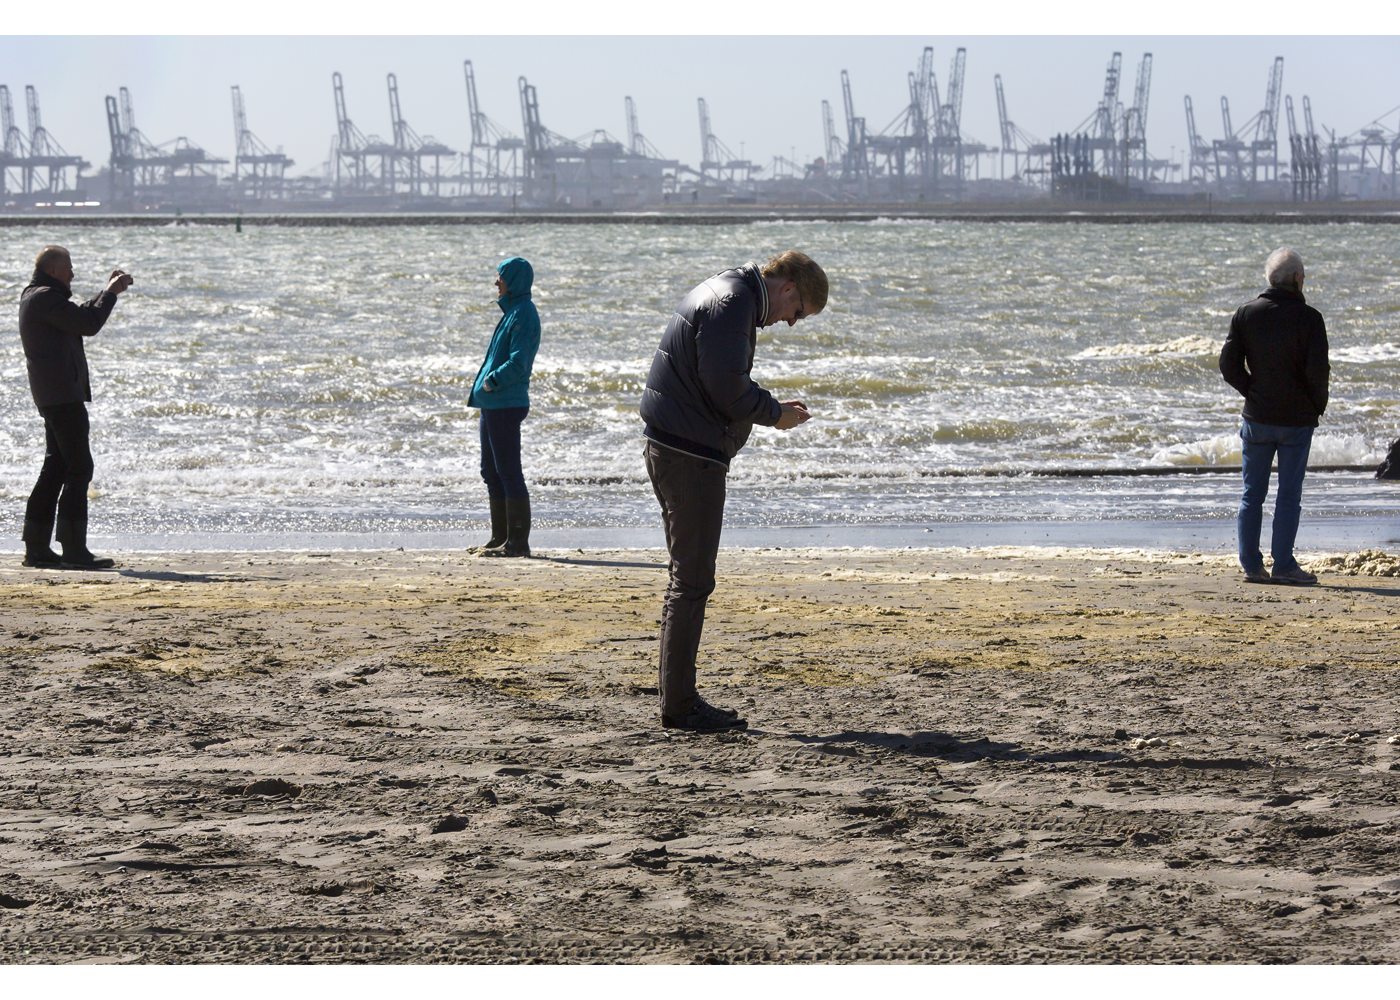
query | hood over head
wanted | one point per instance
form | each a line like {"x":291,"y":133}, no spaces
{"x":518,"y":276}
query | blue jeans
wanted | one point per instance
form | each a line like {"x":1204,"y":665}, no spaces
{"x":500,"y":452}
{"x":1260,"y":442}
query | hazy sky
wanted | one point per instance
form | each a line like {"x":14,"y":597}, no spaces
{"x":764,"y":92}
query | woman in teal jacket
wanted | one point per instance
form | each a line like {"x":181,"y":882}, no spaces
{"x":502,"y":393}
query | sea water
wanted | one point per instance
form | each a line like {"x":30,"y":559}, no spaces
{"x":288,"y":383}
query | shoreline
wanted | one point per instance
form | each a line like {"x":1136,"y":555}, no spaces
{"x":1317,"y":535}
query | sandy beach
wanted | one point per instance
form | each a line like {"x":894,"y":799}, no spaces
{"x":955,"y":755}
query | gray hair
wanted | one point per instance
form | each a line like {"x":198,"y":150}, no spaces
{"x":1283,"y":265}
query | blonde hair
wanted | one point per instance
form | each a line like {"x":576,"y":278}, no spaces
{"x":794,"y":265}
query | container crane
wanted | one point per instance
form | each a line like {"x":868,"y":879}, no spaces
{"x":1258,"y":137}
{"x":855,"y":166}
{"x":1012,"y":138}
{"x":350,"y":141}
{"x":1135,"y":123}
{"x":492,"y":164}
{"x":153,"y":173}
{"x":44,"y":154}
{"x":833,"y":147}
{"x":716,"y":156}
{"x":13,"y":149}
{"x":638,"y":144}
{"x":265,"y":170}
{"x":949,"y":137}
{"x":413,"y":149}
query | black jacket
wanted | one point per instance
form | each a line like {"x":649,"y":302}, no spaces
{"x":1276,"y":356}
{"x":52,"y":329}
{"x":699,"y":397}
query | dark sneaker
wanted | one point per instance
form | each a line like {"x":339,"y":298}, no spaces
{"x":1260,"y":575}
{"x":731,"y":712}
{"x":86,"y":560}
{"x":1297,"y":576}
{"x":704,"y":718}
{"x":45,"y":558}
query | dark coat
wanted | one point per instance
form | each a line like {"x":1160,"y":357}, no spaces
{"x":698,"y":396}
{"x":52,"y":329}
{"x":1276,"y":357}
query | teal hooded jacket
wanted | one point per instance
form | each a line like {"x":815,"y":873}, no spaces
{"x":504,"y":378}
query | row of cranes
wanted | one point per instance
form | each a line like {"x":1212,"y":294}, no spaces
{"x":259,"y":173}
{"x":32,"y":164}
{"x":542,"y":166}
{"x":922,"y":154}
{"x":1359,"y":159}
{"x":371,"y":167}
{"x":1246,"y":162}
{"x":1100,"y":158}
{"x":141,"y":171}
{"x":1247,"y":156}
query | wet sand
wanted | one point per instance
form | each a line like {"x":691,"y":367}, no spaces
{"x":991,"y":755}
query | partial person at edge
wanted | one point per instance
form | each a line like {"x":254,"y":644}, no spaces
{"x":1390,"y":466}
{"x":502,"y":392}
{"x":52,"y":329}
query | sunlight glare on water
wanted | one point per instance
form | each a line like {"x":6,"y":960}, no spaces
{"x":295,"y":378}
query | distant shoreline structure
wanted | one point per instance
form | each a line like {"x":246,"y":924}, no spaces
{"x":1384,"y":213}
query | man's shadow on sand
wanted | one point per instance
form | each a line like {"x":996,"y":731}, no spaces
{"x":603,"y":562}
{"x":945,"y":746}
{"x":172,"y":576}
{"x":1378,"y":591}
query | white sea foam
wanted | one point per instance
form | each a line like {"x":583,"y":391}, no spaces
{"x":1191,"y":344}
{"x":1222,"y":450}
{"x":1365,"y":354}
{"x":319,"y":376}
{"x":1327,"y":449}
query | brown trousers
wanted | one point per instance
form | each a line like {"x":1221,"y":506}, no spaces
{"x":691,"y":493}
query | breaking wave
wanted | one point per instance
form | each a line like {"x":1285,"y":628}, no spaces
{"x":1327,"y":449}
{"x":1191,"y":344}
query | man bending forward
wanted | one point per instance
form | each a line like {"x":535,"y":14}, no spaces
{"x":699,"y":406}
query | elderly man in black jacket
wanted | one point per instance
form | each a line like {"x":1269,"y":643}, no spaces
{"x":52,"y":329}
{"x":1276,"y":358}
{"x":699,"y":406}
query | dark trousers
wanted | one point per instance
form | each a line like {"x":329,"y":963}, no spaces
{"x":691,"y":493}
{"x":500,"y":452}
{"x":63,"y":481}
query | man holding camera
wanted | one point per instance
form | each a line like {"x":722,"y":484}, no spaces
{"x":699,"y":405}
{"x":52,"y":329}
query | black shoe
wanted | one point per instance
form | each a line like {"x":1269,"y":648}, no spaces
{"x":733,"y":713}
{"x":45,"y":558}
{"x":704,"y":718}
{"x":85,"y":560}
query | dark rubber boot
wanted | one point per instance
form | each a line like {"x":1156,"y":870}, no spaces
{"x":517,"y":543}
{"x":36,"y":546}
{"x":72,"y":535}
{"x":498,"y":526}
